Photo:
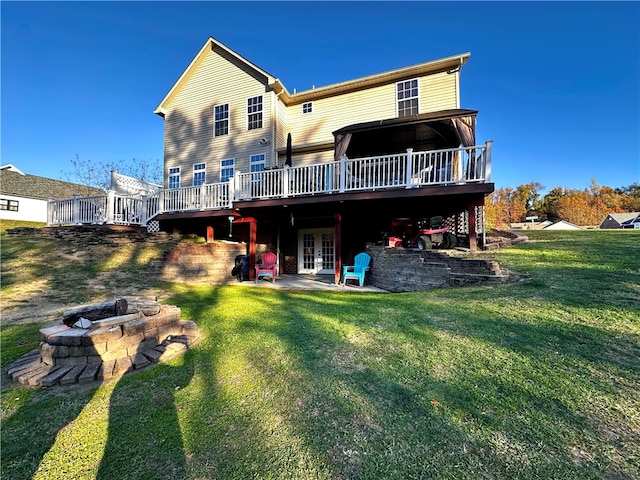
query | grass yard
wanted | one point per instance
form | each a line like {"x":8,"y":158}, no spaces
{"x":535,"y":379}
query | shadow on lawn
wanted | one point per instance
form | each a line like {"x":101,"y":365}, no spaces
{"x":144,"y":435}
{"x":398,"y":418}
{"x":23,"y":446}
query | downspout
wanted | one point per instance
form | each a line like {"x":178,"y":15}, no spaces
{"x":274,"y":130}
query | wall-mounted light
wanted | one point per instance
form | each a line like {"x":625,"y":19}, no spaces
{"x":230,"y":217}
{"x":264,"y":141}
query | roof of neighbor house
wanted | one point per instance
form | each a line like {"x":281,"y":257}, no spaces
{"x":562,"y":225}
{"x":622,"y":218}
{"x":14,"y":182}
{"x":442,"y":65}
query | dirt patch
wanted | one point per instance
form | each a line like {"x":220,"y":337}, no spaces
{"x":42,"y":278}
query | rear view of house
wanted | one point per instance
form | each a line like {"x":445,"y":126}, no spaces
{"x":318,"y":174}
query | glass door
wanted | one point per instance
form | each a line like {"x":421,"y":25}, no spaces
{"x":316,"y":251}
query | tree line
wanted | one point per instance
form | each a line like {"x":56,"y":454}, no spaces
{"x":587,"y":207}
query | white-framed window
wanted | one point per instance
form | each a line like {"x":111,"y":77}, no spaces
{"x":174,"y":177}
{"x":257,"y":162}
{"x":407,"y":97}
{"x":199,"y":174}
{"x":226,"y":169}
{"x":307,"y":107}
{"x":254,"y":113}
{"x":9,"y":205}
{"x":221,"y":120}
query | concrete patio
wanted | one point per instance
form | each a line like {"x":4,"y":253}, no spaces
{"x":308,"y":282}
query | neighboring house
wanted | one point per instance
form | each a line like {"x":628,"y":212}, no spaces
{"x":24,"y":197}
{"x":562,"y":225}
{"x":621,"y":220}
{"x":530,"y":225}
{"x":317,"y":174}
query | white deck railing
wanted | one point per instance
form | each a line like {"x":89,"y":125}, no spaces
{"x":455,"y":166}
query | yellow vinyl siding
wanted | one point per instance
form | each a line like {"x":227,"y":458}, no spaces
{"x":437,"y":92}
{"x":189,"y":137}
{"x":219,"y":76}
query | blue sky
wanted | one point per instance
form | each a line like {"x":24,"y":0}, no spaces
{"x":557,"y":84}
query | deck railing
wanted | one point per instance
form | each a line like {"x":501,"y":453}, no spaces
{"x":455,"y":166}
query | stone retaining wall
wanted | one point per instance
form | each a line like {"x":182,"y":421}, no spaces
{"x":203,"y":263}
{"x":410,"y":270}
{"x":94,"y":234}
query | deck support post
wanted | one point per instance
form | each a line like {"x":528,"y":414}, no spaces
{"x":253,"y":228}
{"x":338,"y":248}
{"x":210,"y":234}
{"x":473,"y":234}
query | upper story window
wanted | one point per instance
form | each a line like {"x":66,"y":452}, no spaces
{"x":307,"y":107}
{"x":256,"y":163}
{"x":199,"y":174}
{"x":407,"y":96}
{"x":10,"y":205}
{"x":174,"y":177}
{"x":226,"y":169}
{"x":221,"y":120}
{"x":254,"y":112}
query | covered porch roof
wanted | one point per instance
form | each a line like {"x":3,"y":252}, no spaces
{"x":425,"y":131}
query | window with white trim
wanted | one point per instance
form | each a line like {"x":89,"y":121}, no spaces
{"x":174,"y":177}
{"x":9,"y":205}
{"x":257,"y":162}
{"x":199,"y":174}
{"x":226,"y":169}
{"x":221,"y":120}
{"x":254,"y":113}
{"x":307,"y":107}
{"x":407,"y":97}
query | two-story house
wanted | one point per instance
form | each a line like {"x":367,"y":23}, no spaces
{"x":315,"y":175}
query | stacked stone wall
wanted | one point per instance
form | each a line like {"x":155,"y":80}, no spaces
{"x":409,"y":270}
{"x":203,"y":263}
{"x":94,"y":234}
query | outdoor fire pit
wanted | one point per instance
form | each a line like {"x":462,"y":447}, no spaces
{"x":105,"y":340}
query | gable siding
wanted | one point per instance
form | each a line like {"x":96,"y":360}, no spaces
{"x":437,"y":92}
{"x":189,"y":119}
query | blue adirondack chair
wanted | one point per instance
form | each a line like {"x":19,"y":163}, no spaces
{"x":356,"y":271}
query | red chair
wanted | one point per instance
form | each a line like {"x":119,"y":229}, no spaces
{"x":268,"y":267}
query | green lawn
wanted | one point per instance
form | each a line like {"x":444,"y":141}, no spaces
{"x":538,"y":378}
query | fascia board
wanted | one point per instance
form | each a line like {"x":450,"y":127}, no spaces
{"x":436,"y":66}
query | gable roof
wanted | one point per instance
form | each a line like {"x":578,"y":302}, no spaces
{"x":622,"y":218}
{"x":12,"y":168}
{"x":210,"y":45}
{"x":449,"y":64}
{"x":19,"y":184}
{"x":562,"y":225}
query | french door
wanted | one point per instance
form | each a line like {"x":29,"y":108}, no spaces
{"x":316,"y":251}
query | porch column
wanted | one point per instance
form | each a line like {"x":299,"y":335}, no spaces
{"x":253,"y":224}
{"x":253,"y":227}
{"x":473,"y":234}
{"x":338,"y":247}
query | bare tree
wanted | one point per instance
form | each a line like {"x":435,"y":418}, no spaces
{"x":98,"y":174}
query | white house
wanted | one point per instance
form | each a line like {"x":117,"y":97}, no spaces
{"x":24,"y":197}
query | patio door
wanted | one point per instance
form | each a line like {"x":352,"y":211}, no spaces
{"x":316,"y":251}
